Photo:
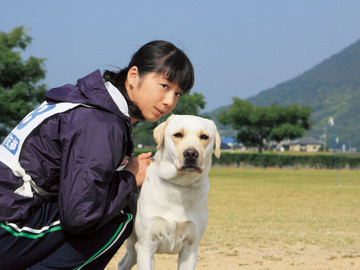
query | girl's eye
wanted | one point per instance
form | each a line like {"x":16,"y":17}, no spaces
{"x":178,"y":94}
{"x":165,"y":86}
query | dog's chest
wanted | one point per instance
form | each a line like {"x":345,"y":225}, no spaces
{"x":173,"y":236}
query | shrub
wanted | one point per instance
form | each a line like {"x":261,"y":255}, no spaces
{"x":280,"y":160}
{"x":264,"y":160}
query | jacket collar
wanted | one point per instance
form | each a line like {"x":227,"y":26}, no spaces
{"x":118,"y":98}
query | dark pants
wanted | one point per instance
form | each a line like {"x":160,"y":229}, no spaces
{"x":40,"y":243}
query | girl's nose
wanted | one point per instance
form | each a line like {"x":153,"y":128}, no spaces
{"x":169,"y":99}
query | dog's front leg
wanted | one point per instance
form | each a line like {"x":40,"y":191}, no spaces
{"x":188,"y":258}
{"x":145,"y":256}
{"x":129,"y":260}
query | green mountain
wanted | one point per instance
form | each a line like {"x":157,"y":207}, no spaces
{"x":331,"y":88}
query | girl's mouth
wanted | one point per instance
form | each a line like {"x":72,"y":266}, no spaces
{"x":159,"y":112}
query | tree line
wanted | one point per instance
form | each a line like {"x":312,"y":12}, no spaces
{"x":21,"y":91}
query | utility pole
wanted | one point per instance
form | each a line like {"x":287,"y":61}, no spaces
{"x":336,"y":141}
{"x":324,"y":138}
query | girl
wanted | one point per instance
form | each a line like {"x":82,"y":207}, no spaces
{"x":63,"y":203}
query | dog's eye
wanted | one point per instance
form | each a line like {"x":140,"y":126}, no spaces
{"x":178,"y":135}
{"x":204,"y":137}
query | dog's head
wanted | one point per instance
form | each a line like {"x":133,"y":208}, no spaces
{"x":185,"y":145}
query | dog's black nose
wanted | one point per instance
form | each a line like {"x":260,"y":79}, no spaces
{"x":191,"y":154}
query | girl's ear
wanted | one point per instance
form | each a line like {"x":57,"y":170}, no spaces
{"x":132,"y":76}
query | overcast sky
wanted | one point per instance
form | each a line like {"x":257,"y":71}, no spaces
{"x":238,"y":47}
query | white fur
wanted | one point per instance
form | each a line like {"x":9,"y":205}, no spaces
{"x":173,"y":204}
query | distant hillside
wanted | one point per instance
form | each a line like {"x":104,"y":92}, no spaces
{"x":331,"y":88}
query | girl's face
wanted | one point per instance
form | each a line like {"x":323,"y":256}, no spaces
{"x":152,"y":93}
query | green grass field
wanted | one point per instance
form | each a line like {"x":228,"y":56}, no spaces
{"x":265,"y":206}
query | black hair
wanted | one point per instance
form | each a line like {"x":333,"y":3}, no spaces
{"x":157,"y":56}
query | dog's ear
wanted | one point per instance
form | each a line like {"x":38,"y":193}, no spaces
{"x":217,"y":141}
{"x":159,"y":132}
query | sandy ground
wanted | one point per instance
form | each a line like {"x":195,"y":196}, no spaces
{"x":294,"y":257}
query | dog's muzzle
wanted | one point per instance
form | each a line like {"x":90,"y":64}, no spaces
{"x":190,"y":160}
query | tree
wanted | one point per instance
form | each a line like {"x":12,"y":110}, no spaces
{"x":19,"y":92}
{"x":256,"y":125}
{"x":188,"y":104}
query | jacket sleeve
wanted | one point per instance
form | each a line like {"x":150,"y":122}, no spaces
{"x":91,"y":191}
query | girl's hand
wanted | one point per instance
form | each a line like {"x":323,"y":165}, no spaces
{"x":137,"y":166}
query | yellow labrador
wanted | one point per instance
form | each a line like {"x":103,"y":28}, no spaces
{"x":173,"y":204}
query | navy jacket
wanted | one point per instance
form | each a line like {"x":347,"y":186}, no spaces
{"x":75,"y":155}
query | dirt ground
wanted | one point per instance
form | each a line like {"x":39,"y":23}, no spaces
{"x":283,"y":223}
{"x":292,"y":257}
